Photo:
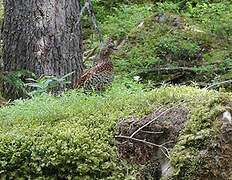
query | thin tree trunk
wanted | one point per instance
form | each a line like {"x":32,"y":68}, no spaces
{"x":42,"y":36}
{"x":1,"y":76}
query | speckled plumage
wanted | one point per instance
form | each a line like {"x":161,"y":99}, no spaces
{"x":101,"y":75}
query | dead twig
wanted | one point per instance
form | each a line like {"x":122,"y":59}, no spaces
{"x":167,"y":143}
{"x":121,"y":43}
{"x":220,"y":83}
{"x":168,"y":70}
{"x":89,"y":54}
{"x":149,"y":122}
{"x":89,"y":8}
{"x":162,"y":147}
{"x":159,"y":108}
{"x":151,"y":132}
{"x":149,"y":105}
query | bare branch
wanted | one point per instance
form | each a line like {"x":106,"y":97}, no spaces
{"x":151,"y":132}
{"x":220,"y":83}
{"x":93,"y":18}
{"x":163,"y":148}
{"x":89,"y":54}
{"x":145,"y":125}
{"x":89,"y":8}
{"x":81,"y":13}
{"x":158,"y":109}
{"x":121,"y":43}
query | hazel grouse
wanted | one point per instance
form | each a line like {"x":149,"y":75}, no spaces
{"x":101,"y":75}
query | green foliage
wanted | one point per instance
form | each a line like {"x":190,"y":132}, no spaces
{"x":156,"y":44}
{"x":116,"y":17}
{"x":16,"y":79}
{"x":124,"y":20}
{"x":66,"y":137}
{"x":169,"y":6}
{"x":177,"y":5}
{"x":46,"y":82}
{"x":168,"y":40}
{"x":216,"y":17}
{"x":173,"y":49}
{"x":198,"y":36}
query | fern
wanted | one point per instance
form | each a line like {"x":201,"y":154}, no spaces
{"x":16,"y":79}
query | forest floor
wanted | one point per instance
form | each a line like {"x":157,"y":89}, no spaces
{"x":167,"y":114}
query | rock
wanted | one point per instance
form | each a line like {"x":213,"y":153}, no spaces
{"x":226,"y":126}
{"x":226,"y":116}
{"x":166,"y":169}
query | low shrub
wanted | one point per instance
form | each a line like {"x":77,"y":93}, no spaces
{"x":173,"y":50}
{"x":215,"y":17}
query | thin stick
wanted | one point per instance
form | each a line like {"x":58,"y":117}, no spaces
{"x":89,"y":8}
{"x":158,"y":109}
{"x":81,"y":13}
{"x":89,"y":54}
{"x":148,"y":143}
{"x":151,"y":132}
{"x":93,"y":18}
{"x":216,"y":84}
{"x":155,"y":119}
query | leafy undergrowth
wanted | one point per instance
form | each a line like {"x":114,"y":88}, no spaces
{"x":72,"y":136}
{"x":117,"y":23}
{"x":170,"y":48}
{"x":175,"y":42}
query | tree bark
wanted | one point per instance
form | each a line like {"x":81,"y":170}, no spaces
{"x":1,"y":76}
{"x":43,"y":37}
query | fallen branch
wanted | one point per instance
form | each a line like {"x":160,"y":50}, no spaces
{"x":168,"y":70}
{"x":121,"y":43}
{"x":220,"y":83}
{"x":171,"y":79}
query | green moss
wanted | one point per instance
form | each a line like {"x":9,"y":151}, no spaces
{"x":67,"y":136}
{"x":73,"y":135}
{"x":198,"y":132}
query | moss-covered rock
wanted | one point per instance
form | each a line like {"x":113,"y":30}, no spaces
{"x":72,"y":136}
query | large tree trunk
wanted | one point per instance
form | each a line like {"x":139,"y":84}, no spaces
{"x":42,"y":36}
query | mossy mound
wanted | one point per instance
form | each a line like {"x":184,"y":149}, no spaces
{"x":72,"y":136}
{"x":200,"y":142}
{"x":170,"y":48}
{"x":64,"y":137}
{"x":201,"y":151}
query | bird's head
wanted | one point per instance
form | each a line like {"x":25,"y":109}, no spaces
{"x":107,"y":49}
